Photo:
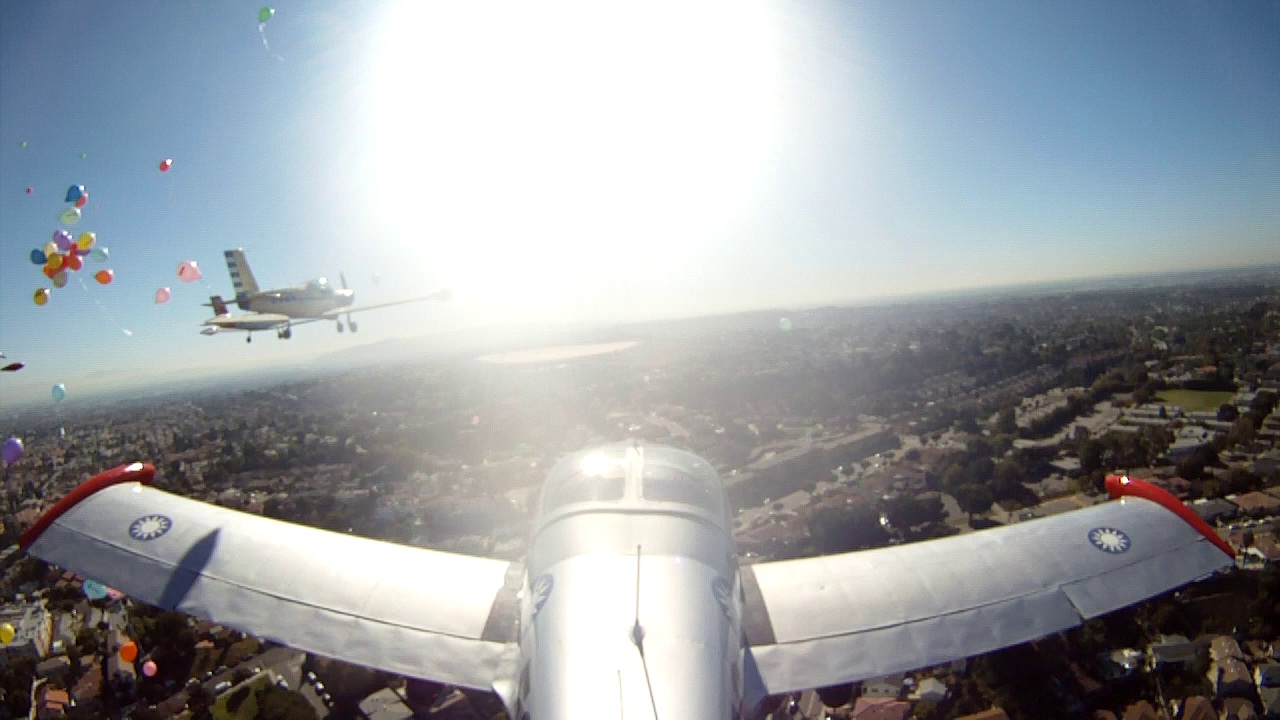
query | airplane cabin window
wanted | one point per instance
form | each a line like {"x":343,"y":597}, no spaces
{"x":664,"y":484}
{"x":584,"y":488}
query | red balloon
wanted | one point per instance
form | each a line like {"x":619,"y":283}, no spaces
{"x":166,"y":164}
{"x":50,"y":272}
{"x":29,"y":191}
{"x":83,"y":199}
{"x":73,"y":261}
{"x":104,"y":276}
{"x":12,"y":367}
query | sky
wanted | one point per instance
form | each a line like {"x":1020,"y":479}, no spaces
{"x":587,"y":162}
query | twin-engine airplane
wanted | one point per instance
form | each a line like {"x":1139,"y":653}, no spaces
{"x":631,"y":602}
{"x":280,"y":310}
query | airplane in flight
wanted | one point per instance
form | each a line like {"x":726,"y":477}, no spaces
{"x":631,"y":602}
{"x":281,"y":310}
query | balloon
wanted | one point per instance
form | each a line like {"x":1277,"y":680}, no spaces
{"x":84,"y":155}
{"x":129,"y":651}
{"x":38,"y":257}
{"x":86,"y":240}
{"x":60,"y":279}
{"x":784,"y":325}
{"x":23,"y":144}
{"x":50,"y":248}
{"x":99,"y":254}
{"x":73,"y":262}
{"x":6,"y":633}
{"x":41,"y":296}
{"x":189,"y":271}
{"x":165,"y":164}
{"x":74,"y":193}
{"x":12,"y":451}
{"x":149,"y":668}
{"x":59,"y":392}
{"x":93,"y":589}
{"x":83,"y":199}
{"x":265,"y":13}
{"x":29,"y":190}
{"x":70,"y":216}
{"x":162,"y":296}
{"x":104,"y":277}
{"x":12,"y":367}
{"x":62,"y":240}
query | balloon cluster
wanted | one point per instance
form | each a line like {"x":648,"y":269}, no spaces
{"x":64,"y":254}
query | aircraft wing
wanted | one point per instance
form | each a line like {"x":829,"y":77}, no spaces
{"x":835,"y":619}
{"x":249,"y":321}
{"x":337,"y":312}
{"x":410,"y":611}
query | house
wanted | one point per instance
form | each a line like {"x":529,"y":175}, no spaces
{"x":56,"y":668}
{"x":89,"y":686}
{"x":1230,"y":677}
{"x":1238,"y":709}
{"x":994,"y":713}
{"x":51,"y":703}
{"x":1119,"y":664}
{"x":885,"y":687}
{"x":1267,"y":678}
{"x":1198,"y":707}
{"x":1257,"y":504}
{"x":1214,"y":510}
{"x":1222,"y":647}
{"x":1141,"y":710}
{"x":1171,"y":650}
{"x":880,"y":708}
{"x":33,"y":630}
{"x":930,"y":690}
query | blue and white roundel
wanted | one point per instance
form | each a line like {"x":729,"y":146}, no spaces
{"x":149,"y":527}
{"x":1109,"y":540}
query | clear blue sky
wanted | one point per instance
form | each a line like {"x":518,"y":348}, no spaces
{"x":577,"y":162}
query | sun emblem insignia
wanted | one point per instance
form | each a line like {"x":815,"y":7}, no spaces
{"x":149,"y":527}
{"x":1109,"y":540}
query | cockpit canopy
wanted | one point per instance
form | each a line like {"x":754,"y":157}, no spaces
{"x":633,"y":477}
{"x":319,"y":286}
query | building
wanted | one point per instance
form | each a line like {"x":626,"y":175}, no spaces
{"x":1141,"y":710}
{"x":885,"y":687}
{"x":51,"y":703}
{"x":994,"y":713}
{"x":1198,"y":708}
{"x":33,"y":630}
{"x":1267,"y":678}
{"x":1211,"y":511}
{"x":1238,"y":709}
{"x":1171,"y":650}
{"x":868,"y":708}
{"x":930,"y":690}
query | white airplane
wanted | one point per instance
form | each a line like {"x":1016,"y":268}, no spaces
{"x":631,"y":602}
{"x":280,"y":310}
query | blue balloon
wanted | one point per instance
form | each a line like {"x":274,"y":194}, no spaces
{"x":75,"y":192}
{"x":59,"y":392}
{"x":38,"y":257}
{"x":93,"y":589}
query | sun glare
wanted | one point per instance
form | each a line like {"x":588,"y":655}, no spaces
{"x":549,"y":148}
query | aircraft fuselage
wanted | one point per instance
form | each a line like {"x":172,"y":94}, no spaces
{"x":299,"y":302}
{"x":658,"y":511}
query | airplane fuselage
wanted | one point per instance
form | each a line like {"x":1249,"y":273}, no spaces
{"x":298,"y":302}
{"x":659,"y":512}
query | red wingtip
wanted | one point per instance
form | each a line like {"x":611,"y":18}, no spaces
{"x":136,"y":472}
{"x":1123,"y":486}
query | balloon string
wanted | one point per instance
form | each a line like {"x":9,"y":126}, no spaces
{"x":103,"y":308}
{"x":262,"y":31}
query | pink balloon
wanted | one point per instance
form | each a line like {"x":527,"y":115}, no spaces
{"x":189,"y":271}
{"x":149,"y":668}
{"x":162,"y":296}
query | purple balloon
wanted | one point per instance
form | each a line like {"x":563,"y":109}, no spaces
{"x":12,"y":450}
{"x":63,"y":240}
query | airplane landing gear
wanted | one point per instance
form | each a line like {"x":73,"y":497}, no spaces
{"x":284,"y":334}
{"x":340,"y":327}
{"x":249,"y":339}
{"x":352,"y":323}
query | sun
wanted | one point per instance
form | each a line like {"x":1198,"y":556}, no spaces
{"x":537,"y":151}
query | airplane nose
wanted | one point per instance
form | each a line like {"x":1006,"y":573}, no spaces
{"x":348,"y":297}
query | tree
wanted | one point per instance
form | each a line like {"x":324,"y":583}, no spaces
{"x":1007,"y":422}
{"x":974,"y":499}
{"x":276,"y":703}
{"x":1091,"y":452}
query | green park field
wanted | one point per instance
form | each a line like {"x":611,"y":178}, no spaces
{"x":1194,"y":400}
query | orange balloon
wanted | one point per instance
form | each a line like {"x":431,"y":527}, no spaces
{"x":104,"y":276}
{"x":83,"y":199}
{"x":129,"y":651}
{"x":50,"y":272}
{"x":73,"y":261}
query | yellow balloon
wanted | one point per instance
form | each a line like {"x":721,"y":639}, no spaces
{"x":6,"y":633}
{"x":55,"y":262}
{"x":86,"y":240}
{"x":41,"y":297}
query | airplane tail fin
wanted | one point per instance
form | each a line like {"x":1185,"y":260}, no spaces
{"x":241,"y":276}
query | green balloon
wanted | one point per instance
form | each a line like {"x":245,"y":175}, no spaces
{"x":265,"y":13}
{"x":22,"y":144}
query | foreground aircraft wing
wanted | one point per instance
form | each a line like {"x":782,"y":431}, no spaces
{"x":409,"y":611}
{"x":829,"y":620}
{"x":337,"y":312}
{"x":249,"y":321}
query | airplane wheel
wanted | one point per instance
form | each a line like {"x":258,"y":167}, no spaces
{"x":340,"y":328}
{"x":353,"y":325}
{"x":249,"y":339}
{"x":288,"y":334}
